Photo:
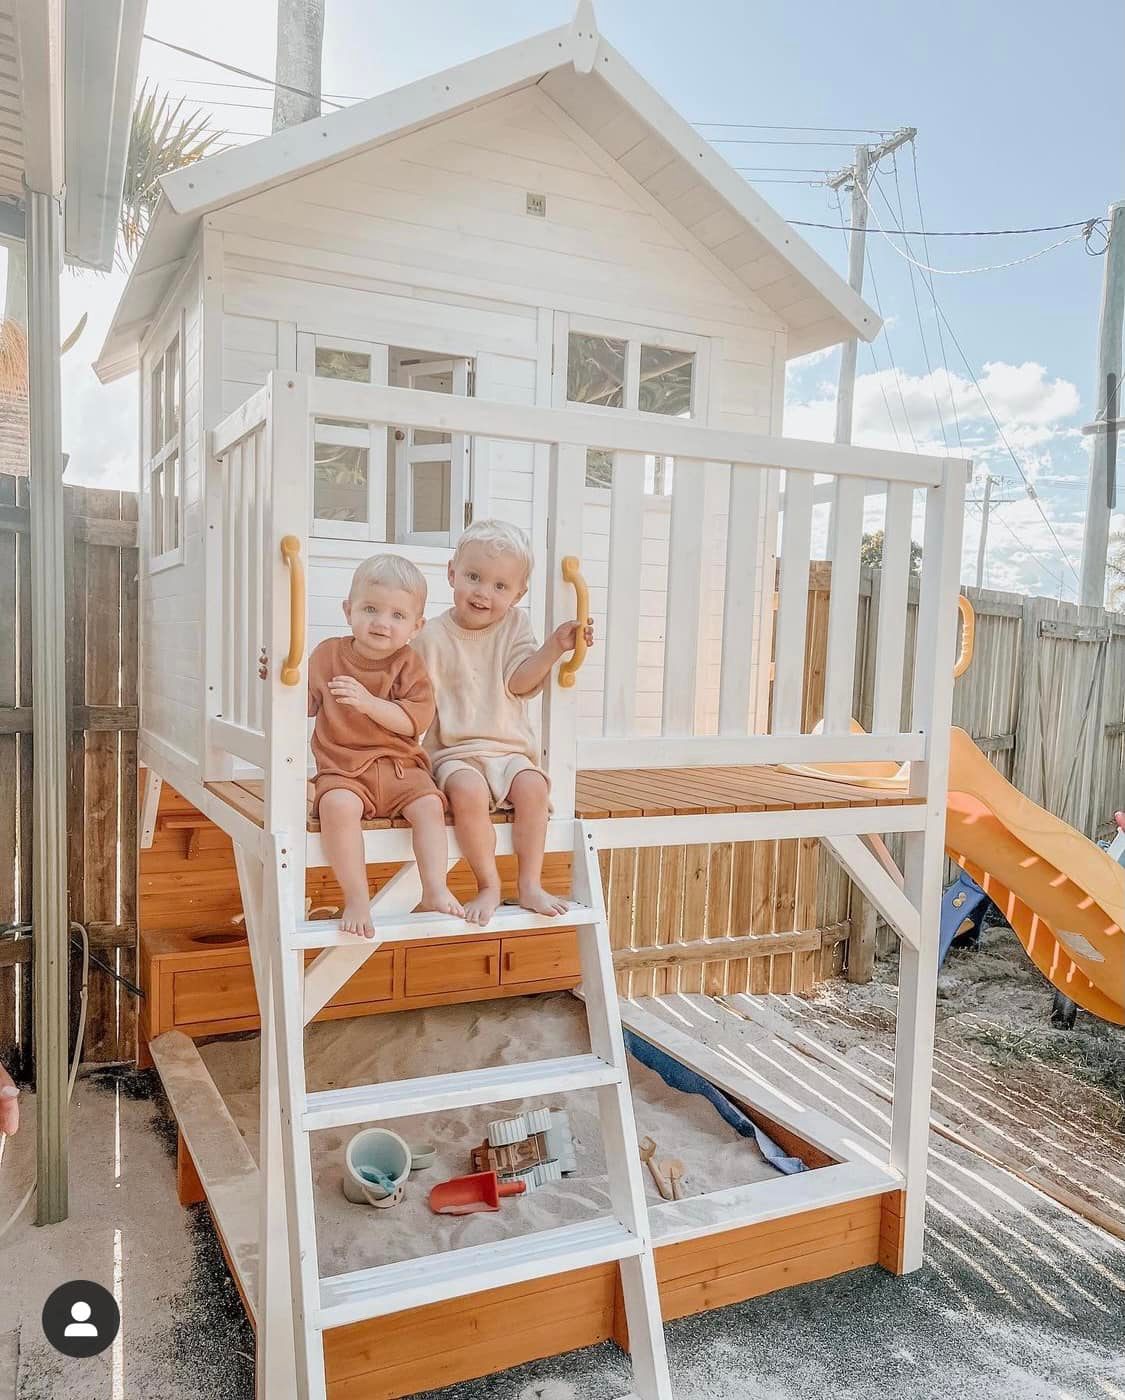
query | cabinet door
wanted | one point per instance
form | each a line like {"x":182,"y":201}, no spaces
{"x":542,"y":957}
{"x":452,"y":967}
{"x":375,"y":981}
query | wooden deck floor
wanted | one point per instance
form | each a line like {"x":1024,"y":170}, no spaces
{"x":650,"y":792}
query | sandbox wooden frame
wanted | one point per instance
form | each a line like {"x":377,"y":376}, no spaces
{"x":711,"y":1251}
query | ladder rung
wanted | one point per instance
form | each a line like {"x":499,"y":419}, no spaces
{"x":404,"y":1098}
{"x":405,"y":928}
{"x":393,"y":1288}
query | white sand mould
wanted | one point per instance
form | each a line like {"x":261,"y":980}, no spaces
{"x":536,"y":1147}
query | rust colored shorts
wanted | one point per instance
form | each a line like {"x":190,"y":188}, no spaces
{"x":386,"y":787}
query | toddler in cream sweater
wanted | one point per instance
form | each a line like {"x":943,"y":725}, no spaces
{"x":485,"y":666}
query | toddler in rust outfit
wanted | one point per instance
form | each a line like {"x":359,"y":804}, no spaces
{"x":373,"y":701}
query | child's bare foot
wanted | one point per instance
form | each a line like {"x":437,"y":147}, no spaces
{"x":480,"y":909}
{"x":535,"y":898}
{"x":356,"y":918}
{"x":440,"y":901}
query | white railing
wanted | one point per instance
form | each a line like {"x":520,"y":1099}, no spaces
{"x":722,"y":517}
{"x":239,"y":543}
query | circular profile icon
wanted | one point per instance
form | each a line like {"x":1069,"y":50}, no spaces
{"x":80,"y":1318}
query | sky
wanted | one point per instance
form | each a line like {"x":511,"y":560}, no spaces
{"x":1020,"y":120}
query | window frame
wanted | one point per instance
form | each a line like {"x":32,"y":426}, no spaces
{"x":634,"y":335}
{"x":172,"y":515}
{"x":373,"y":439}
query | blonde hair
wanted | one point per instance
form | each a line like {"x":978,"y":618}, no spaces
{"x":498,"y":537}
{"x":392,"y":571}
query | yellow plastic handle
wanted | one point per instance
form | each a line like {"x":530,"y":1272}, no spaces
{"x":968,"y":636}
{"x":291,"y":554}
{"x":571,"y":573}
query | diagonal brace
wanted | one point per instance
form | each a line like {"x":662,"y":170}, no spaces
{"x":873,"y":879}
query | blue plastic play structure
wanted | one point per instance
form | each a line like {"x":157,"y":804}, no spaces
{"x":962,"y":913}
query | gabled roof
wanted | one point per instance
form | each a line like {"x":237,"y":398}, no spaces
{"x":580,"y":71}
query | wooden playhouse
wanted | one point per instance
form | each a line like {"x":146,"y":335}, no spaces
{"x":522,"y":288}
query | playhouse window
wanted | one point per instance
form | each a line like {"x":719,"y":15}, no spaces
{"x":595,"y":370}
{"x":164,"y":467}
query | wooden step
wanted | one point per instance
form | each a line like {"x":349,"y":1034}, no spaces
{"x":405,"y":928}
{"x":393,"y":1288}
{"x":403,"y":1098}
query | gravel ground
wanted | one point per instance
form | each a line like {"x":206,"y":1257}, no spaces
{"x":1019,"y":1297}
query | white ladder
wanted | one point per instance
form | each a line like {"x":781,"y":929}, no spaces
{"x":321,"y":1303}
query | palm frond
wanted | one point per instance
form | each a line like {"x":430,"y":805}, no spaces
{"x":163,"y":138}
{"x":13,"y":358}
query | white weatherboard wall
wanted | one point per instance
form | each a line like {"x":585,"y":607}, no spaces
{"x":426,"y":243}
{"x":171,"y":621}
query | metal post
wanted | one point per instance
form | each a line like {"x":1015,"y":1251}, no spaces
{"x":1096,"y":539}
{"x":982,"y":543}
{"x":48,"y":610}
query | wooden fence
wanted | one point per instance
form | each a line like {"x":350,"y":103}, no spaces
{"x":101,"y":659}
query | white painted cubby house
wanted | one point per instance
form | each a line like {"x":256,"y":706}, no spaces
{"x":522,"y":288}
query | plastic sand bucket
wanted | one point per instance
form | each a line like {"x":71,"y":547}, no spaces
{"x":378,"y":1152}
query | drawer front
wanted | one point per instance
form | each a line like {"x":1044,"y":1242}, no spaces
{"x":541,"y":957}
{"x":375,"y":981}
{"x":213,"y":994}
{"x":453,"y":967}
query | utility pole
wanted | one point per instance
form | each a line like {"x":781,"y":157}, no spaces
{"x":982,"y":543}
{"x":857,"y":178}
{"x":1102,"y":487}
{"x":300,"y":40}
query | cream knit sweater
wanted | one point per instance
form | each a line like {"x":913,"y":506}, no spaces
{"x":477,"y":715}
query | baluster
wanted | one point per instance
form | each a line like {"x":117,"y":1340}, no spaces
{"x":685,"y":590}
{"x":894,"y":595}
{"x":241,"y":534}
{"x":744,"y":556}
{"x":793,"y":603}
{"x":623,"y":615}
{"x":843,"y":606}
{"x":230,"y":472}
{"x":251,"y":640}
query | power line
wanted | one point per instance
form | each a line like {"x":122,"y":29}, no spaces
{"x":957,"y":233}
{"x":231,"y":68}
{"x":767,"y":126}
{"x":252,"y":87}
{"x":744,"y":141}
{"x":890,"y":351}
{"x":933,"y":297}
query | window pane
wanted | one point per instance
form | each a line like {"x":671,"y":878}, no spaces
{"x":599,"y":467}
{"x":595,"y":370}
{"x":343,"y":364}
{"x":430,"y":481}
{"x":340,"y":483}
{"x":172,"y":502}
{"x":157,"y":519}
{"x":666,"y":377}
{"x":157,"y":406}
{"x":172,"y":390}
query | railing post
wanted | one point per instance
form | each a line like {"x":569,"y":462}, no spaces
{"x":564,"y":536}
{"x":925,"y":850}
{"x":289,"y":465}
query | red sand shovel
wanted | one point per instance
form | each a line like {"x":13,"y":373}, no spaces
{"x":464,"y":1195}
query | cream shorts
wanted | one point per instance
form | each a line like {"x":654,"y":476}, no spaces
{"x":499,"y":772}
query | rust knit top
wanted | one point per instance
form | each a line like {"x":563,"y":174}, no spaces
{"x":347,"y":742}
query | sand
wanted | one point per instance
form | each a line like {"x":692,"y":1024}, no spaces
{"x":409,"y":1044}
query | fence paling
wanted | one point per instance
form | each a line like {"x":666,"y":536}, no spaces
{"x":102,"y":621}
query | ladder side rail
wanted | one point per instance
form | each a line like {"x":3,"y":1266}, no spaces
{"x":275,"y":1357}
{"x":289,"y":458}
{"x":286,"y":1004}
{"x":639,"y":1285}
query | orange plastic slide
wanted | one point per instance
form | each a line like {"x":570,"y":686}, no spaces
{"x":1063,"y":896}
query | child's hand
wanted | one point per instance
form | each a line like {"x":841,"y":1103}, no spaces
{"x":565,"y":636}
{"x":348,"y":691}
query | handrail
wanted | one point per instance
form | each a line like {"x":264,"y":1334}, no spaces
{"x":291,"y":553}
{"x":612,"y":430}
{"x":250,"y":415}
{"x":571,"y":572}
{"x":968,"y":636}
